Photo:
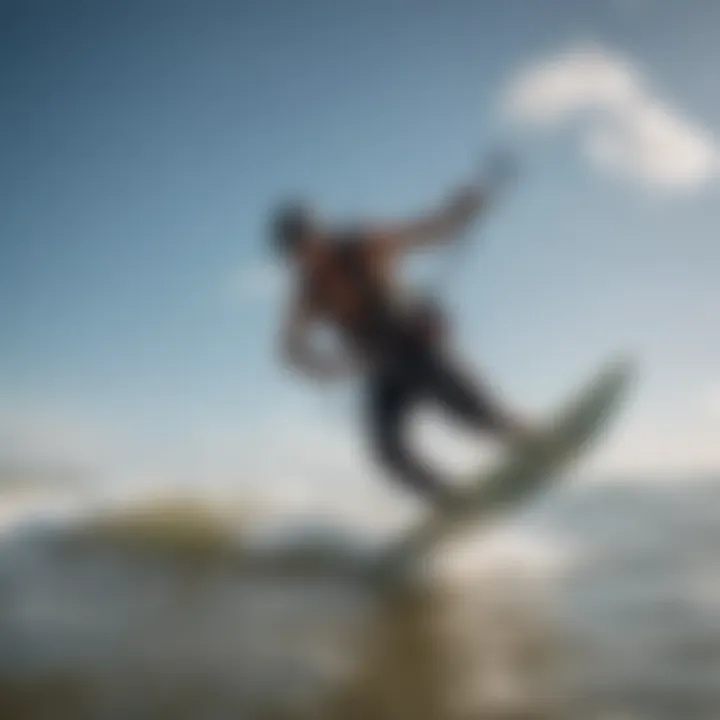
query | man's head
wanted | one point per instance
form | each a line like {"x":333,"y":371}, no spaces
{"x":294,"y":225}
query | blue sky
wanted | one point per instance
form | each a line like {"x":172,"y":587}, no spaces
{"x":143,"y":143}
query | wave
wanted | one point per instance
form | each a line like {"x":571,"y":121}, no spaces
{"x":186,"y":607}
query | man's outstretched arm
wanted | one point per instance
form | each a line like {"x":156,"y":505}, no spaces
{"x":436,"y":228}
{"x":444,"y":224}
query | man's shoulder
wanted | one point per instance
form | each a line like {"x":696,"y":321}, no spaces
{"x":357,"y":239}
{"x":347,"y":235}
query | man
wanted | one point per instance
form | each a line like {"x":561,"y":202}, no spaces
{"x":346,"y":279}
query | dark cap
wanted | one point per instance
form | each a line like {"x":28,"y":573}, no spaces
{"x":290,"y":223}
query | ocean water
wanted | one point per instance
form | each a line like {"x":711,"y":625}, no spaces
{"x":598,"y":600}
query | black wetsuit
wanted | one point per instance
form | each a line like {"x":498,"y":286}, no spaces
{"x":406,"y":369}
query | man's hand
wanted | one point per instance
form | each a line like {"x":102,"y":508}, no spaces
{"x":329,"y":368}
{"x":464,"y":205}
{"x":472,"y":199}
{"x":297,"y":350}
{"x":325,"y":367}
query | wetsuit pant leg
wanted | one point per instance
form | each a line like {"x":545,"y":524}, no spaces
{"x":392,"y":396}
{"x":465,"y":397}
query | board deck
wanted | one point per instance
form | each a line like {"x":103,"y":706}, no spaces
{"x":526,"y":468}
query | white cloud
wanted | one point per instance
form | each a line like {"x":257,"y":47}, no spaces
{"x":623,"y":126}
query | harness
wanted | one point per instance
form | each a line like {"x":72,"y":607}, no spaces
{"x":373,"y":318}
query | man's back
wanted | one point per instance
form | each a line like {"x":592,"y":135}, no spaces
{"x":351,"y":284}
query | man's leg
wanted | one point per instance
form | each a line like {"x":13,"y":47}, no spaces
{"x":391,"y":398}
{"x":472,"y":402}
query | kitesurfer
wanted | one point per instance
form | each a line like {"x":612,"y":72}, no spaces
{"x":347,"y":278}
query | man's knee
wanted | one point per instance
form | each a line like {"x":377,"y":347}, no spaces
{"x":395,"y":457}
